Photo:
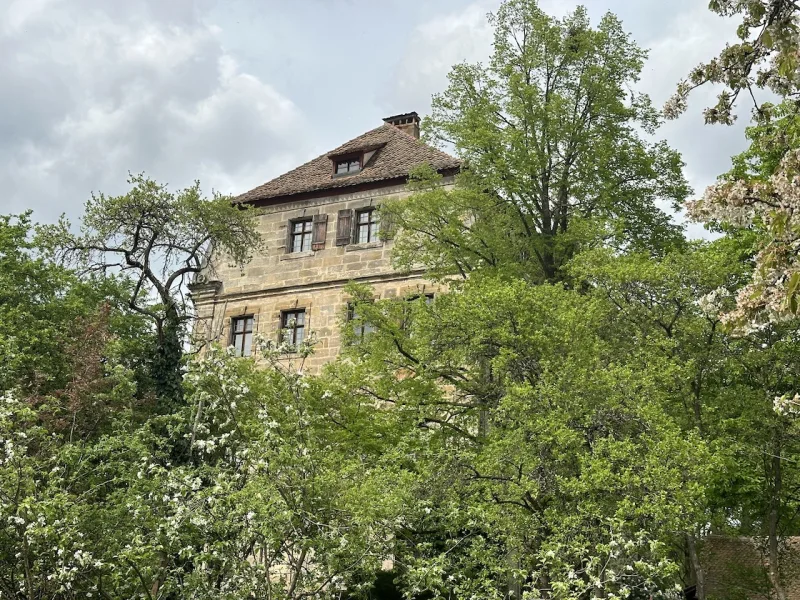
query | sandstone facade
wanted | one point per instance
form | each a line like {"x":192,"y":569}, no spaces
{"x":279,"y":280}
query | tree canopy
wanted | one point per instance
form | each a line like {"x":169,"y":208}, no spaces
{"x":554,"y":159}
{"x":161,"y":239}
{"x":585,"y":406}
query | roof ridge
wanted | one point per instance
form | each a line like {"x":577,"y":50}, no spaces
{"x":396,"y":158}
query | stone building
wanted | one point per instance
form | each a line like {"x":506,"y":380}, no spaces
{"x":321,"y":226}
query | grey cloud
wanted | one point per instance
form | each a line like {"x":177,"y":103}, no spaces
{"x":93,"y":89}
{"x":434,"y":46}
{"x":185,"y":89}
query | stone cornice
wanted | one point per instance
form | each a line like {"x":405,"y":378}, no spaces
{"x":305,"y":287}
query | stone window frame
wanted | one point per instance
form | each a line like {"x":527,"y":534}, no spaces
{"x":305,"y":232}
{"x":290,"y":217}
{"x":244,"y":333}
{"x":355,"y":158}
{"x":371,"y":226}
{"x":283,"y":325}
{"x":355,"y":208}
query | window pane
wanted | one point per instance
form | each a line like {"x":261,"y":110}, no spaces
{"x":249,"y":324}
{"x":363,"y":231}
{"x":235,"y":342}
{"x":297,"y":243}
{"x":248,"y":342}
{"x":300,"y":317}
{"x":297,"y":227}
{"x":354,"y":165}
{"x":293,"y":317}
{"x":299,"y":333}
{"x":363,"y":217}
{"x":373,"y":231}
{"x":238,"y":325}
{"x":307,"y":226}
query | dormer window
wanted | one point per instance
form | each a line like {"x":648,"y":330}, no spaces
{"x":347,"y":166}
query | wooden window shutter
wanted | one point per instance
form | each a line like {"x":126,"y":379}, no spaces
{"x":344,"y":227}
{"x":388,"y":227}
{"x":320,"y":231}
{"x":288,"y":247}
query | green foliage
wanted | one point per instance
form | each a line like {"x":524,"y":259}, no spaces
{"x":542,"y":453}
{"x":44,"y":308}
{"x":554,"y":160}
{"x":272,"y":489}
{"x":723,"y":385}
{"x":160,"y":239}
{"x":775,"y":132}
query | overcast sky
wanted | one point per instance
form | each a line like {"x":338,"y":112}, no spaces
{"x":235,"y":92}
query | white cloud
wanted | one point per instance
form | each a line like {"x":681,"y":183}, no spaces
{"x":693,"y":36}
{"x":433,"y":48}
{"x":94,"y":89}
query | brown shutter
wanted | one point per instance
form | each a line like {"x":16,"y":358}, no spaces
{"x":288,"y":247}
{"x":387,"y":227}
{"x":344,"y":227}
{"x":320,"y":231}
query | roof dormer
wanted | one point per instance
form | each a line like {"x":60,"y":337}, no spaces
{"x":354,"y":160}
{"x":347,"y":165}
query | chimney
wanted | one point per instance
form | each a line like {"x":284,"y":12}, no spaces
{"x":408,"y":122}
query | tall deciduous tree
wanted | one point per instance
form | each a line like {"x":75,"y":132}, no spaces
{"x":537,"y":451}
{"x":160,"y":239}
{"x":554,"y":158}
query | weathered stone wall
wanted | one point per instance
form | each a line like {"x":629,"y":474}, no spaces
{"x":277,"y":280}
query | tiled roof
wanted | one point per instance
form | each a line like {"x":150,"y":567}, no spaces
{"x":397,"y":153}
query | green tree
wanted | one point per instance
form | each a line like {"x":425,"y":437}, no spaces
{"x":159,"y":239}
{"x":45,"y":308}
{"x":722,"y":386}
{"x":553,"y":154}
{"x":535,"y":450}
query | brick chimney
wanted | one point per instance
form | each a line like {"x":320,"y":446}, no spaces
{"x":408,"y":122}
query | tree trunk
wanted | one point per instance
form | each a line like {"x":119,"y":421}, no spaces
{"x":773,"y":518}
{"x":168,"y":363}
{"x":699,"y":573}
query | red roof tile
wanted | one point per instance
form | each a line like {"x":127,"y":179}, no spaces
{"x":397,"y":153}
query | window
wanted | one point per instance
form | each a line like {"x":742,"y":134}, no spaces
{"x":293,"y":326}
{"x":408,"y":312}
{"x":359,"y":329}
{"x":301,"y":235}
{"x":242,"y":335}
{"x":428,"y":298}
{"x":348,"y":166}
{"x":366,"y":226}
